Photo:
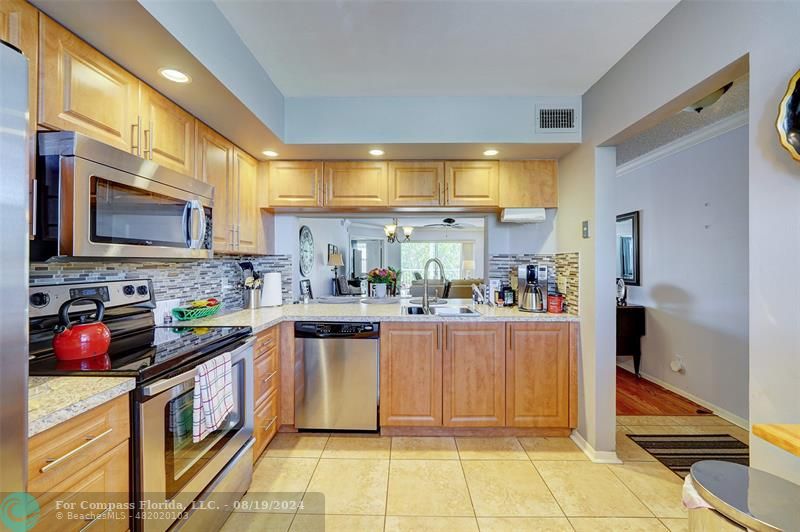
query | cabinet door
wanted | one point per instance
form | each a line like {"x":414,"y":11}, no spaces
{"x":355,"y":184}
{"x":471,"y":183}
{"x":82,"y":90}
{"x":103,"y":483}
{"x":411,"y":374}
{"x":416,"y":183}
{"x":245,"y":170}
{"x":19,"y":25}
{"x":529,"y":184}
{"x":295,"y":184}
{"x":214,"y":166}
{"x":474,"y":375}
{"x":538,"y":375}
{"x":168,"y":132}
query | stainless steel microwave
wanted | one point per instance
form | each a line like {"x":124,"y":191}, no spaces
{"x":93,"y":200}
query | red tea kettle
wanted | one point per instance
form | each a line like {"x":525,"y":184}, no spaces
{"x":83,"y":339}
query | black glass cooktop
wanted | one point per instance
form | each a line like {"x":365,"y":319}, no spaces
{"x":145,"y":354}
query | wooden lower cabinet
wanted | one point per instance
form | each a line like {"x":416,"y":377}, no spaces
{"x":411,"y":374}
{"x":267,"y":388}
{"x":85,"y":459}
{"x":474,"y":375}
{"x":539,"y":369}
{"x":479,"y":375}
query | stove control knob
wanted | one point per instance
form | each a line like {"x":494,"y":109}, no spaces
{"x":128,"y":290}
{"x":40,"y":299}
{"x":141,"y":290}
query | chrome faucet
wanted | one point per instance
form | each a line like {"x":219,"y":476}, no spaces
{"x":426,"y":307}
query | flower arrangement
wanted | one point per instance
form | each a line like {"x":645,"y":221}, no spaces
{"x":382,"y":275}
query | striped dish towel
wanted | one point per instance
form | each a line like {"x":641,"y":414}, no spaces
{"x":213,"y":396}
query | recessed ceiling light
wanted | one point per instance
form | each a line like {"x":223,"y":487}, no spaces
{"x":270,"y":153}
{"x":489,"y":153}
{"x":174,"y":75}
{"x":376,"y":152}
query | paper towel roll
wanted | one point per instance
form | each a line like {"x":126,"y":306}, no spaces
{"x":271,"y":293}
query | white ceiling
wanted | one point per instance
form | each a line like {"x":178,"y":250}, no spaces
{"x":315,"y":48}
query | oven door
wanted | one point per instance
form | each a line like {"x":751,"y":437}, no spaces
{"x":173,"y":469}
{"x":105,"y":212}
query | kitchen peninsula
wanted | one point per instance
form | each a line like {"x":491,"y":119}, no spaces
{"x":499,"y":372}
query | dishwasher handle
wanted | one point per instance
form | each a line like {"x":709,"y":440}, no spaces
{"x":330,"y":330}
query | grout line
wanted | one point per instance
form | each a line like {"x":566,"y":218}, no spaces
{"x":647,"y":507}
{"x":541,"y":477}
{"x":469,"y":492}
{"x":310,"y":478}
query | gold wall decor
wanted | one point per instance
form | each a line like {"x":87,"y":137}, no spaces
{"x":789,"y":118}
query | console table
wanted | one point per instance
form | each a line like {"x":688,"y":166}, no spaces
{"x":630,"y":329}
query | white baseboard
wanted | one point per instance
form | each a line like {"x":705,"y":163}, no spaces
{"x":598,"y":457}
{"x":721,"y":412}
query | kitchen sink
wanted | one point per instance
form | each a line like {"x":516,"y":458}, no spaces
{"x":442,"y":311}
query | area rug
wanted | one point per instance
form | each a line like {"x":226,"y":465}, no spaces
{"x":679,"y":451}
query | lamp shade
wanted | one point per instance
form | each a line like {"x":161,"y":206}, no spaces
{"x":335,"y":259}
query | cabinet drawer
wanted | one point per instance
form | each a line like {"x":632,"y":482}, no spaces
{"x":265,"y":341}
{"x":267,"y":376}
{"x":102,"y":489}
{"x":59,"y":453}
{"x":266,"y":424}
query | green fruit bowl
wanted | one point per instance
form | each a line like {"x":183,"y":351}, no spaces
{"x":194,"y":313}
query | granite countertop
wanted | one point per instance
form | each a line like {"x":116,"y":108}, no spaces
{"x":263,"y":318}
{"x":53,"y":400}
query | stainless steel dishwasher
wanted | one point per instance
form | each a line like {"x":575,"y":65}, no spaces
{"x":336,"y":375}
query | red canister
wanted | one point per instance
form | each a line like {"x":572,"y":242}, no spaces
{"x":555,"y":303}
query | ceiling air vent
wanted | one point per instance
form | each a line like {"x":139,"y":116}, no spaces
{"x":555,"y":119}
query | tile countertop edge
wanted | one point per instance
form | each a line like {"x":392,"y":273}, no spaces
{"x":277,"y":315}
{"x":79,"y":406}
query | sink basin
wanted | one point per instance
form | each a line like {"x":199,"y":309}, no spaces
{"x":442,"y":311}
{"x":454,"y":311}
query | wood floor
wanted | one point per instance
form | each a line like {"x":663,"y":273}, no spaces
{"x":640,"y":397}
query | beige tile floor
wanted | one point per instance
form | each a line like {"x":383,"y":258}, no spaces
{"x":400,"y":484}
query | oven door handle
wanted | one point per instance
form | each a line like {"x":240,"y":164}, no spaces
{"x":163,"y":385}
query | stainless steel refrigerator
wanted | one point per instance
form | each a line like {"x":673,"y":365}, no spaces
{"x":14,"y":189}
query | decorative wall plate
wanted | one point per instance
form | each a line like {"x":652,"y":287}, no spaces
{"x":306,"y":251}
{"x":789,"y":118}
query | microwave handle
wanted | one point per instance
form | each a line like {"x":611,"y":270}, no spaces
{"x":165,"y":384}
{"x":191,"y":206}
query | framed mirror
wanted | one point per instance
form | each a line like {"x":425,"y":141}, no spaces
{"x":628,"y":248}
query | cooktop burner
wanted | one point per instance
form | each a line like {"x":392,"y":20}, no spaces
{"x":144,"y":354}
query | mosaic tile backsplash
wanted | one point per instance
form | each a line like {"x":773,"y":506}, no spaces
{"x":560,"y":265}
{"x":220,"y":277}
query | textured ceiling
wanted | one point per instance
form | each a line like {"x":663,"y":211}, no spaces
{"x":314,"y":48}
{"x":685,"y":122}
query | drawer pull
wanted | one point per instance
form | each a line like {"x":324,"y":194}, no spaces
{"x":270,"y":376}
{"x":98,"y":517}
{"x":52,"y":462}
{"x":269,"y":425}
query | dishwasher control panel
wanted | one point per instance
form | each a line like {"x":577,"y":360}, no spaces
{"x":315,"y":329}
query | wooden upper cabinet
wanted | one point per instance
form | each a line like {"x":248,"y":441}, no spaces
{"x":80,"y":89}
{"x":474,"y":375}
{"x":355,"y":184}
{"x":245,"y":171}
{"x":411,"y":374}
{"x":529,"y":184}
{"x":416,"y":183}
{"x":295,"y":184}
{"x":168,"y":132}
{"x":471,"y":183}
{"x":214,"y":166}
{"x":538,"y":375}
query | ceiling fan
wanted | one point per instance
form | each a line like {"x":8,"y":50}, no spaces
{"x":450,"y":223}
